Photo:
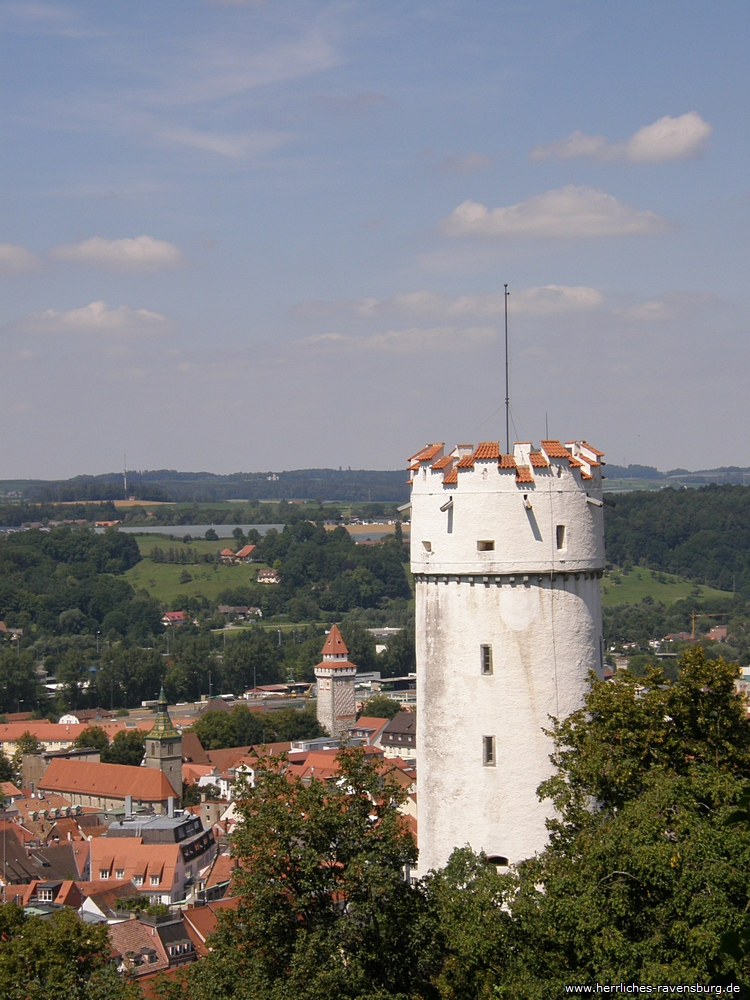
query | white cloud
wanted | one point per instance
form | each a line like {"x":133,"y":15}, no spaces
{"x":569,"y":212}
{"x":670,"y":308}
{"x":234,"y":145}
{"x":408,"y":341}
{"x":16,"y":260}
{"x":550,"y":300}
{"x":667,"y":139}
{"x":143,"y":253}
{"x":466,"y":164}
{"x":95,"y":318}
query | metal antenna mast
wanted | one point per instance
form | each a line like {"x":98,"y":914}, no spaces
{"x":125,"y":475}
{"x":507,"y":378}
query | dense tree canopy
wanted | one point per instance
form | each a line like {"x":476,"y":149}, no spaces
{"x":702,"y":534}
{"x":60,"y":956}
{"x":325,"y":910}
{"x":241,"y":727}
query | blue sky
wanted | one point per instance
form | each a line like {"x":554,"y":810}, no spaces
{"x":257,"y":236}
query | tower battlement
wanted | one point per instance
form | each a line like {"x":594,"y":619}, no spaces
{"x":536,"y":510}
{"x":506,"y":552}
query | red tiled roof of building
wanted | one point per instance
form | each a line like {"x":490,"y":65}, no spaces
{"x":593,"y":449}
{"x":507,"y":462}
{"x":538,"y":459}
{"x":586,"y":475}
{"x":451,"y":478}
{"x":9,"y":790}
{"x":467,"y":462}
{"x":221,"y":870}
{"x":488,"y":449}
{"x":523,"y":474}
{"x":555,"y":450}
{"x":441,"y":462}
{"x":202,"y":920}
{"x":427,"y":453}
{"x":145,"y":784}
{"x":45,"y":732}
{"x":245,"y":551}
{"x":575,"y":463}
{"x":334,"y":644}
{"x":414,"y":467}
{"x":136,"y":859}
{"x":223,"y":759}
{"x":192,"y":749}
{"x":131,"y":938}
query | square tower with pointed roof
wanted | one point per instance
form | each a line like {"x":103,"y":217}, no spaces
{"x":164,"y":746}
{"x":335,"y":675}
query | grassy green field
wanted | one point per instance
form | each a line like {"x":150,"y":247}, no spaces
{"x":148,"y":542}
{"x":640,"y":583}
{"x":162,"y":580}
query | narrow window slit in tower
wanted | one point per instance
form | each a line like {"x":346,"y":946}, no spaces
{"x":561,"y":536}
{"x":486,"y":546}
{"x":486,"y":659}
{"x":488,"y":751}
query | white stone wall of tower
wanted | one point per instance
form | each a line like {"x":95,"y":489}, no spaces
{"x":538,"y":608}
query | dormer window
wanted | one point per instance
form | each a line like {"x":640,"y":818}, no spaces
{"x":104,"y":874}
{"x":120,"y":873}
{"x":138,"y":880}
{"x":155,"y":880}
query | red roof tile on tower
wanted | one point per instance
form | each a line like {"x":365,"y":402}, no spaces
{"x":585,"y":475}
{"x":538,"y":459}
{"x":451,"y":478}
{"x":488,"y":449}
{"x":507,"y":462}
{"x":426,"y":453}
{"x":523,"y":474}
{"x":442,"y":462}
{"x":414,"y":467}
{"x":575,"y":463}
{"x":334,"y":644}
{"x":555,"y":450}
{"x":467,"y":462}
{"x":593,"y":449}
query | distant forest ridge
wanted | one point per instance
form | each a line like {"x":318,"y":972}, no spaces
{"x":725,"y":474}
{"x":344,"y":485}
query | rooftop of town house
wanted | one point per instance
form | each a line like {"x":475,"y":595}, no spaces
{"x":144,"y":784}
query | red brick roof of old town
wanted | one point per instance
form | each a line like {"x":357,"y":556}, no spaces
{"x":146,"y":784}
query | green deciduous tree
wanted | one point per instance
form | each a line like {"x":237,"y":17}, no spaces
{"x":127,"y":747}
{"x":92,"y":736}
{"x":325,"y":909}
{"x":62,"y":956}
{"x":642,"y":876}
{"x":381,"y":707}
{"x":251,"y":656}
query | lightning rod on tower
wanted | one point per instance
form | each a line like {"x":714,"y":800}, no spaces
{"x":507,"y":378}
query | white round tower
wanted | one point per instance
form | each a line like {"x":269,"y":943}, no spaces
{"x":507,"y":552}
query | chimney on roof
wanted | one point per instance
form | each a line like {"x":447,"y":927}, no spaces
{"x":170,"y":807}
{"x":128,"y":806}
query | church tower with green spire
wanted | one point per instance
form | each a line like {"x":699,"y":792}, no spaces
{"x":164,"y":746}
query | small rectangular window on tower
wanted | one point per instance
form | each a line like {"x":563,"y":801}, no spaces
{"x":486,"y":659}
{"x":427,"y":546}
{"x":561,"y":536}
{"x":486,"y":546}
{"x":488,"y":751}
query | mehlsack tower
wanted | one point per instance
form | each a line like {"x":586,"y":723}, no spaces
{"x":507,"y":552}
{"x":164,"y":746}
{"x":337,"y":711}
